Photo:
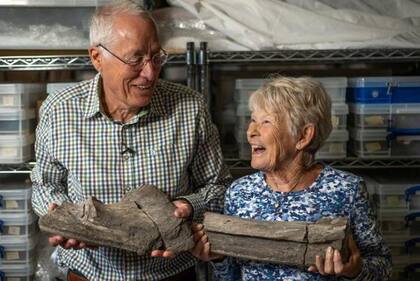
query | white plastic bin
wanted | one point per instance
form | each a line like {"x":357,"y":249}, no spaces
{"x":405,"y":146}
{"x":17,"y":121}
{"x":22,"y":95}
{"x":245,"y":87}
{"x":339,"y":112}
{"x":369,"y":143}
{"x":16,"y":149}
{"x":55,"y":87}
{"x":335,"y":146}
{"x":405,"y":115}
{"x":18,"y":272}
{"x":369,"y":116}
{"x":17,"y":225}
{"x":15,"y":193}
{"x":335,"y":88}
{"x":17,"y":250}
{"x":392,"y":222}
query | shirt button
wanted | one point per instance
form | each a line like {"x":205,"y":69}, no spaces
{"x":126,"y":157}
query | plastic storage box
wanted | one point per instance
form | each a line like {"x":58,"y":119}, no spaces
{"x":397,"y":89}
{"x":407,"y":146}
{"x":15,"y":193}
{"x":369,"y":143}
{"x":405,"y":116}
{"x":17,"y":225}
{"x":335,"y":146}
{"x":15,"y":149}
{"x":392,"y":222}
{"x":23,"y":95}
{"x":335,"y":88}
{"x":55,"y":87}
{"x":17,"y":250}
{"x":339,"y":112}
{"x":17,"y":121}
{"x":369,"y":116}
{"x":17,"y":272}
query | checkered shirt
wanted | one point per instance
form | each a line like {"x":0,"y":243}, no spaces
{"x":79,"y":152}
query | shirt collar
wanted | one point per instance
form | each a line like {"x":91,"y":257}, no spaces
{"x":93,"y":105}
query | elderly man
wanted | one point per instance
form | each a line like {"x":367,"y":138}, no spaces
{"x":118,"y":131}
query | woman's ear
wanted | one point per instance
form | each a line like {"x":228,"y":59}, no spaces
{"x":95,"y":58}
{"x":306,"y":137}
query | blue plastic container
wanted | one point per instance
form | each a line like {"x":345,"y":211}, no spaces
{"x":389,"y":89}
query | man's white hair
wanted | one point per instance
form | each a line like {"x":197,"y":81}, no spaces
{"x":101,"y":26}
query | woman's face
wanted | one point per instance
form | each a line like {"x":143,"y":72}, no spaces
{"x":271,"y":142}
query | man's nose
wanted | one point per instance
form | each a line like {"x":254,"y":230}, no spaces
{"x":149,"y":71}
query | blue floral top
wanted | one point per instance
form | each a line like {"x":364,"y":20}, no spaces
{"x":333,"y":194}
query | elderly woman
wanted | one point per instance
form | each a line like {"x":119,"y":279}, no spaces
{"x":290,"y":121}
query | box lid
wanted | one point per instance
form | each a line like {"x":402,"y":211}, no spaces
{"x":339,"y":109}
{"x":16,"y":114}
{"x":338,"y":135}
{"x":373,"y":134}
{"x":17,"y":139}
{"x":378,"y":81}
{"x":21,"y":88}
{"x":249,"y":84}
{"x":369,"y":108}
{"x":15,"y":186}
{"x":332,"y":82}
{"x":18,"y":218}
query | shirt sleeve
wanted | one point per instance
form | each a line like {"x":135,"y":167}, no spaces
{"x":209,"y":175}
{"x":49,"y":177}
{"x":375,"y":254}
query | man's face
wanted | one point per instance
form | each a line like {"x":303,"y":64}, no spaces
{"x":130,"y":86}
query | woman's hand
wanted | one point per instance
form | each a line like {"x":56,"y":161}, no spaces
{"x":67,"y":243}
{"x":333,"y":264}
{"x":201,"y":249}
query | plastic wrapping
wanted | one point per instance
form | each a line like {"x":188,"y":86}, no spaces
{"x":310,"y":24}
{"x":177,"y":27}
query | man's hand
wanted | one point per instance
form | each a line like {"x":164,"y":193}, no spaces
{"x":183,"y":210}
{"x":58,"y":240}
{"x":201,"y":249}
{"x":333,"y":264}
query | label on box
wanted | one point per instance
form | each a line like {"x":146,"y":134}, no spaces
{"x":373,"y":146}
{"x":8,"y":152}
{"x":393,"y":201}
{"x":11,"y":204}
{"x":335,"y":147}
{"x":8,"y":100}
{"x":13,"y":255}
{"x":13,"y":230}
{"x":335,"y":120}
{"x":376,"y":120}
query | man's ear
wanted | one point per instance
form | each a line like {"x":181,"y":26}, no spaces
{"x":95,"y":58}
{"x":306,"y":136}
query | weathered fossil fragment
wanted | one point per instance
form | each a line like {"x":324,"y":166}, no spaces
{"x":291,"y":243}
{"x":142,"y":221}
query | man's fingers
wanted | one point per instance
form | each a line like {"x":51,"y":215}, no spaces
{"x":52,"y":206}
{"x":183,"y":209}
{"x":55,"y":240}
{"x":197,"y":236}
{"x":197,"y":227}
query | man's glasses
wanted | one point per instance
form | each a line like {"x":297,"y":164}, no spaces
{"x":137,"y":64}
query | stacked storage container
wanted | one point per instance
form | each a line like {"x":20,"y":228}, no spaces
{"x":18,"y":231}
{"x":384,"y":114}
{"x":17,"y":121}
{"x":336,"y":144}
{"x":398,"y":207}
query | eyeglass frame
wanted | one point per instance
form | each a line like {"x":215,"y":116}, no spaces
{"x":138,"y":65}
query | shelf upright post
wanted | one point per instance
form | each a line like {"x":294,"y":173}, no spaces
{"x":191,"y":66}
{"x":203,"y":73}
